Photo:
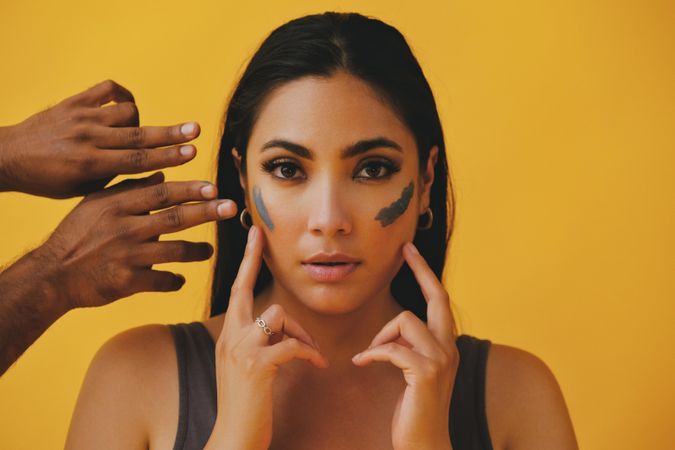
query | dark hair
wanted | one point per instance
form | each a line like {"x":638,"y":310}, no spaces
{"x":320,"y":45}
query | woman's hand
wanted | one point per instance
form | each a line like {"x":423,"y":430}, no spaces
{"x":247,"y":360}
{"x":429,"y":358}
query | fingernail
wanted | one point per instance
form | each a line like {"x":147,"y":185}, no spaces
{"x":188,"y":129}
{"x":412,"y":248}
{"x":209,"y":191}
{"x":251,"y":233}
{"x":187,"y":150}
{"x":357,"y":356}
{"x":224,"y":208}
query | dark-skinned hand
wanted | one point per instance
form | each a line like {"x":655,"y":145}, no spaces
{"x":79,"y":145}
{"x":106,"y":246}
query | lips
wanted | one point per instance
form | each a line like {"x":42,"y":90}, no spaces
{"x":330,"y":272}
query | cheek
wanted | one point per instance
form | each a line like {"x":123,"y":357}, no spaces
{"x":391,"y":213}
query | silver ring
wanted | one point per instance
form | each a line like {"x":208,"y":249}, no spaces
{"x":261,"y":323}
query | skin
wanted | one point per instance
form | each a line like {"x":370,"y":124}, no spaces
{"x":106,"y":246}
{"x":305,"y":388}
{"x":79,"y":145}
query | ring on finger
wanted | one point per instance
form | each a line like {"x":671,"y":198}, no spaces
{"x":261,"y":323}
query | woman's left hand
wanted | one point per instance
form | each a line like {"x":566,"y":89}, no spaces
{"x":429,"y":358}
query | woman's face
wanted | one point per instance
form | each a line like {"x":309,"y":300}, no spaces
{"x":308,"y":197}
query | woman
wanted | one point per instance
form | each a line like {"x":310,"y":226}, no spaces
{"x":333,"y":144}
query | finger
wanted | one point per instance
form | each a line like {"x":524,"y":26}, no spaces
{"x":280,"y":322}
{"x":402,"y":357}
{"x":290,"y":349}
{"x":172,"y":251}
{"x":143,"y":137}
{"x":168,"y":194}
{"x":120,"y":162}
{"x":102,"y":93}
{"x":123,"y":114}
{"x":128,"y":184}
{"x":241,"y":292}
{"x":185,"y":216}
{"x":413,"y":330}
{"x":158,"y":281}
{"x":439,"y":314}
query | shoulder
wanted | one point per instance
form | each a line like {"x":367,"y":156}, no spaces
{"x":133,"y":356}
{"x":130,"y":378}
{"x":525,"y":405}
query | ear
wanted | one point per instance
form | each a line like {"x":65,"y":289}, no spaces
{"x":237,"y":162}
{"x":428,"y":179}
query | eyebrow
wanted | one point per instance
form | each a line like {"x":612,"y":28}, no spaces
{"x":350,"y":151}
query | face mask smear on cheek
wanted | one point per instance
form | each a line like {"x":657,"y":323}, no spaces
{"x":389,"y":214}
{"x":260,"y":206}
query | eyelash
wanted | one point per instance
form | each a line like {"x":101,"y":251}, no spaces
{"x":271,"y":166}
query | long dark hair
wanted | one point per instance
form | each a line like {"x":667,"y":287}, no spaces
{"x":320,"y":45}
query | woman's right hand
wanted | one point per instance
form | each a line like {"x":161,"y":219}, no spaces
{"x":247,"y":360}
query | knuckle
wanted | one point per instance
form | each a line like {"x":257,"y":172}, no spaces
{"x":136,"y":136}
{"x":160,"y":194}
{"x":115,"y":206}
{"x":138,"y":158}
{"x":444,"y":360}
{"x":407,"y":316}
{"x":79,"y":115}
{"x":121,"y":231}
{"x":294,"y":344}
{"x":81,"y":132}
{"x":129,"y":110}
{"x":276,"y":310}
{"x":109,"y":85}
{"x":86,"y":165}
{"x":174,"y":217}
{"x":430,"y":370}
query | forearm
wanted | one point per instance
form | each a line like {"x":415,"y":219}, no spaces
{"x":5,"y":137}
{"x":29,"y":304}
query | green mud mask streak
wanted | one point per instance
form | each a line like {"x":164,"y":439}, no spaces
{"x":388,"y":215}
{"x":260,"y":206}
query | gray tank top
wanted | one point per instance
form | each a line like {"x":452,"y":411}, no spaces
{"x":195,"y":351}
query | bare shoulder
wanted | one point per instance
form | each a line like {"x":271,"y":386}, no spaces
{"x":131,"y":379}
{"x":525,"y":406}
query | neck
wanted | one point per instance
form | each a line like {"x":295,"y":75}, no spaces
{"x":340,"y":336}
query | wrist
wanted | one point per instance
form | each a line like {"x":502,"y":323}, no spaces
{"x":52,"y":281}
{"x":7,"y":143}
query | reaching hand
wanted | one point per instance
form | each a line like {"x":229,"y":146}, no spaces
{"x":105,"y":248}
{"x":77,"y":146}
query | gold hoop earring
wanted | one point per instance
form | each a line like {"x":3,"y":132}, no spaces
{"x":431,"y":220}
{"x":242,"y":220}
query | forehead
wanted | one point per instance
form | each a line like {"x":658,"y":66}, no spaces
{"x":326,"y":114}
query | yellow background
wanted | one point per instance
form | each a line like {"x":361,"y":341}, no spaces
{"x":559,"y":118}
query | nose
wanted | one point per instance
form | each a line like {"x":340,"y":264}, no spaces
{"x":328,"y":214}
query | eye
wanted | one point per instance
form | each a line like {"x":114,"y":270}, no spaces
{"x":379,"y":169}
{"x":376,"y":169}
{"x":288,"y":168}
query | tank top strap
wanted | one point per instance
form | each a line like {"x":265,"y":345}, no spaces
{"x":195,"y":353}
{"x":468,"y":417}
